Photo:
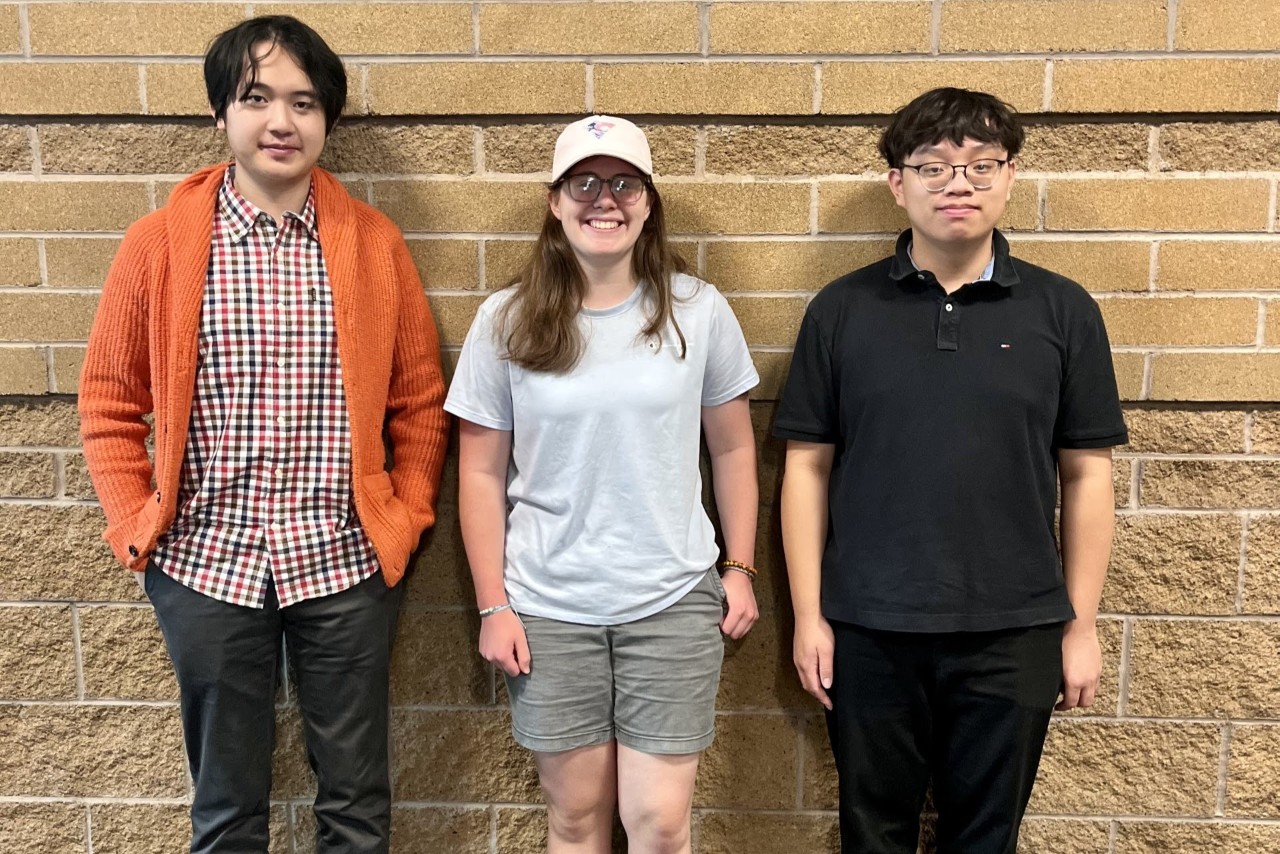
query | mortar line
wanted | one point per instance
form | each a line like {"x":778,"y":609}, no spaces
{"x":1242,"y":570}
{"x":1171,"y":34}
{"x":1126,"y":652}
{"x":24,"y":30}
{"x":1224,"y":761}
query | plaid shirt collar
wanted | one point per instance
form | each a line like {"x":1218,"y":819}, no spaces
{"x":240,"y":215}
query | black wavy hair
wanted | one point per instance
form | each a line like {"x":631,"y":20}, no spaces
{"x":231,"y":69}
{"x":951,"y":114}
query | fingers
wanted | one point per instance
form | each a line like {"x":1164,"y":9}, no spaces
{"x":810,"y":677}
{"x":739,"y":620}
{"x":1077,"y":696}
{"x":522,"y":654}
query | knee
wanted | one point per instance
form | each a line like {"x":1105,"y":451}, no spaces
{"x":663,"y":826}
{"x":578,"y":819}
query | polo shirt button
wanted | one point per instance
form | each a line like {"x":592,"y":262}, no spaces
{"x":133,"y":551}
{"x":920,"y":276}
{"x":950,"y":307}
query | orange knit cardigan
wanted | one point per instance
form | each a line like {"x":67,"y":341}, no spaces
{"x":142,"y":359}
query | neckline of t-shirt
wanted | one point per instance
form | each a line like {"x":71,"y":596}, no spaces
{"x":615,"y":310}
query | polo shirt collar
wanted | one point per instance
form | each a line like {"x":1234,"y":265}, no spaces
{"x":1002,"y":270}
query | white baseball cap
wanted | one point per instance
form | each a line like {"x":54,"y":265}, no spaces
{"x":601,"y":135}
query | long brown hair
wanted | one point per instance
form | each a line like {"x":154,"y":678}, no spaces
{"x":540,"y":321}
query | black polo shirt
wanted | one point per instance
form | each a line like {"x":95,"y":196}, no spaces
{"x":946,"y":412}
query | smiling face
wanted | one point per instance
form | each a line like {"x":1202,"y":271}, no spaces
{"x":603,"y":232}
{"x":959,"y":213}
{"x":277,"y":130}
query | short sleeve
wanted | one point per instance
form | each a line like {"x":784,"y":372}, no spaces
{"x":807,"y":410}
{"x":730,"y":371}
{"x":481,"y":387}
{"x":1089,"y":414}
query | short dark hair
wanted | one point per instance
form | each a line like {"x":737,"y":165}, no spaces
{"x":951,"y":114}
{"x":231,"y":69}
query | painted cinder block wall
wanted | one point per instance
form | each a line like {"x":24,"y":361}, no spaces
{"x":1150,"y":175}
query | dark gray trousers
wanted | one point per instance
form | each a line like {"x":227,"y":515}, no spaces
{"x":227,"y":662}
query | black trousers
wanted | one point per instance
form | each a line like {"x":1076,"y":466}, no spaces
{"x":968,"y":710}
{"x":227,"y":660}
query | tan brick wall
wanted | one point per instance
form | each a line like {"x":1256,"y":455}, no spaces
{"x":1150,"y":176}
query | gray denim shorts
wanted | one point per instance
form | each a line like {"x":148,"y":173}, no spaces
{"x":651,"y":684}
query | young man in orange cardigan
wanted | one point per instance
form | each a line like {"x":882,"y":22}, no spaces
{"x":276,"y":329}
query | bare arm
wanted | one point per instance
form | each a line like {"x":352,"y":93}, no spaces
{"x":483,"y":457}
{"x":1087,"y":524}
{"x":732,"y":445}
{"x":804,"y":536}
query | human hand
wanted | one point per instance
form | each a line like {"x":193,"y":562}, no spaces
{"x":740,"y":596}
{"x":812,"y":651}
{"x":1081,"y":666}
{"x":503,"y":642}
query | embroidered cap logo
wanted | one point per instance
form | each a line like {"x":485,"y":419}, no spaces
{"x":599,"y":129}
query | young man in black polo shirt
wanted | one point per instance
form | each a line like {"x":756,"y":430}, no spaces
{"x":936,"y":401}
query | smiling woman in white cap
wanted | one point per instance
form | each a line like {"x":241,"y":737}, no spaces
{"x":582,"y":389}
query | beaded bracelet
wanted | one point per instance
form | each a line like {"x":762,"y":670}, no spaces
{"x":489,"y":612}
{"x":738,"y":566}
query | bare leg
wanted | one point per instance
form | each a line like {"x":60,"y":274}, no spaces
{"x":580,"y":787}
{"x":655,"y":800}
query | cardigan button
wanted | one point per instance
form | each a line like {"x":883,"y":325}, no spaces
{"x":133,"y":551}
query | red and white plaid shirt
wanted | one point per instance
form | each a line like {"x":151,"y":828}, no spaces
{"x":265,"y":492}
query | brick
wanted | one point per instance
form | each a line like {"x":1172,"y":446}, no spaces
{"x":71,"y":561}
{"x":413,"y":149}
{"x":1204,"y":670}
{"x":384,"y":28}
{"x":128,"y":29}
{"x":503,"y":260}
{"x":19,"y":262}
{"x":1132,"y":768}
{"x":1262,"y":567}
{"x":129,"y":149}
{"x":868,"y":206}
{"x":48,"y":422}
{"x":600,"y":29}
{"x":521,"y":829}
{"x":459,"y":756}
{"x":78,"y":262}
{"x":76,"y":478}
{"x":71,"y":205}
{"x":436,"y":663}
{"x":770,"y":455}
{"x":10,"y":36}
{"x":67,"y":362}
{"x":1099,"y":265}
{"x":1203,"y":204}
{"x":1234,"y":265}
{"x":453,"y":315}
{"x":492,"y":206}
{"x":1226,"y":25}
{"x":803,"y":265}
{"x":1271,"y":334}
{"x":1165,"y":85}
{"x":1176,"y":431}
{"x":1211,"y":484}
{"x":26,"y":475}
{"x":817,"y":27}
{"x":737,"y":88}
{"x":63,"y":88}
{"x":731,"y":833}
{"x":1142,"y":837}
{"x":1264,"y":432}
{"x":769,"y":320}
{"x":15,"y":149}
{"x":1184,"y":321}
{"x":756,"y":208}
{"x":1220,"y":146}
{"x":453,"y":88}
{"x":1122,"y":481}
{"x":92,"y":751}
{"x":526,"y":148}
{"x":1184,"y":564}
{"x":37,"y":658}
{"x":819,"y":784}
{"x":751,"y":764}
{"x":124,"y":655}
{"x":35,"y":828}
{"x":772,"y":368}
{"x":1129,"y":371}
{"x":852,"y":88}
{"x":1253,"y":773}
{"x":793,"y":150}
{"x":46,"y":317}
{"x":448,"y":264}
{"x":1027,"y":26}
{"x":1107,"y":701}
{"x":1040,"y":835}
{"x":757,"y":672}
{"x":176,"y":89}
{"x":1216,"y":376}
{"x":458,"y":830}
{"x":23,"y":371}
{"x":163,"y":828}
{"x":441,"y":574}
{"x":1085,"y":148}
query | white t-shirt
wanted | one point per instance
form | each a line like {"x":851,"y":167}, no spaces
{"x":605,"y":522}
